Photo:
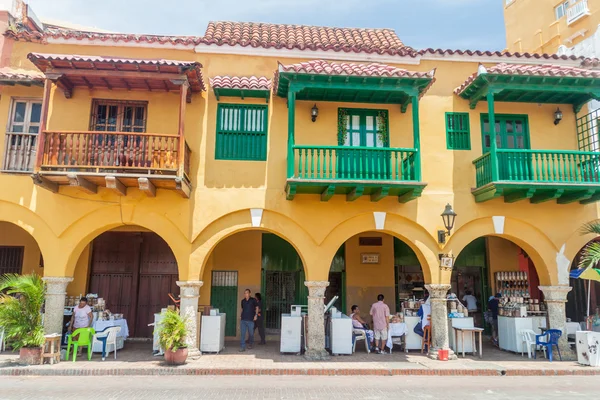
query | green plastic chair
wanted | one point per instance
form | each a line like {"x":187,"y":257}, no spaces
{"x":84,"y":338}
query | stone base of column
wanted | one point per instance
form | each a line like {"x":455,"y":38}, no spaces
{"x":433,"y":354}
{"x":194,"y":353}
{"x":316,"y":355}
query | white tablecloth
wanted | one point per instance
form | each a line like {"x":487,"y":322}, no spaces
{"x":396,"y":330}
{"x":101,"y":325}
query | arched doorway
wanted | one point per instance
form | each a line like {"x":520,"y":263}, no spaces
{"x":134,"y":270}
{"x":584,"y":294}
{"x":19,"y":252}
{"x":262,"y":262}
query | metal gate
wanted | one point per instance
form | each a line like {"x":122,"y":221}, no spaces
{"x":280,"y":294}
{"x":224,"y":296}
{"x":11,"y":259}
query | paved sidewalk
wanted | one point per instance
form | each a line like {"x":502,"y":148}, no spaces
{"x":136,"y":359}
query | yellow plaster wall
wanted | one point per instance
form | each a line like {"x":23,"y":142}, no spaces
{"x":531,"y":26}
{"x":12,"y":235}
{"x":503,"y":255}
{"x":79,"y":285}
{"x":224,"y":191}
{"x":365,"y":281}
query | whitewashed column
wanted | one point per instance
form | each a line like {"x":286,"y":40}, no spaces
{"x":556,"y":298}
{"x":316,"y":320}
{"x":188,"y":308}
{"x":54,"y":307}
{"x":439,"y":320}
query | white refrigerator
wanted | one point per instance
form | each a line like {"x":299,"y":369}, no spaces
{"x":212,"y":338}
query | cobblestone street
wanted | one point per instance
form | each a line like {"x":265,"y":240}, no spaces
{"x":271,"y":388}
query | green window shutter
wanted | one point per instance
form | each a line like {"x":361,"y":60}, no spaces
{"x":241,"y":132}
{"x":458,"y":132}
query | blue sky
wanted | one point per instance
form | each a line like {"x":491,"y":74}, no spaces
{"x":457,"y":24}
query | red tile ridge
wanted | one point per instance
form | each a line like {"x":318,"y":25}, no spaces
{"x":241,"y":82}
{"x":487,"y":53}
{"x":122,"y":60}
{"x":322,"y":67}
{"x":19,"y":74}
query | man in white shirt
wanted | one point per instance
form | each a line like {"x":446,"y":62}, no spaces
{"x":470,"y":300}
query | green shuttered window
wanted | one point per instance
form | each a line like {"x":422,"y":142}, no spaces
{"x":241,"y":132}
{"x":458,"y":133}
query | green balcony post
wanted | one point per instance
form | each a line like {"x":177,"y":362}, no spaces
{"x":291,"y":132}
{"x":416,"y":137}
{"x":493,"y":145}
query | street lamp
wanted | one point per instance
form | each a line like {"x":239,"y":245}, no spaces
{"x":314,"y":113}
{"x":448,"y":216}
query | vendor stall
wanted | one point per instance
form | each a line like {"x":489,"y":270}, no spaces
{"x":517,"y":310}
{"x":410,"y":308}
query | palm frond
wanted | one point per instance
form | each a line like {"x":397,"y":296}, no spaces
{"x":590,"y":255}
{"x":591,"y":227}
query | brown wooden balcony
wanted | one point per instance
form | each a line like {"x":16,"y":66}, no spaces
{"x":115,"y":160}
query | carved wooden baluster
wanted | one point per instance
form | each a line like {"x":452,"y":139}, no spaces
{"x":170,"y":150}
{"x":48,"y":149}
{"x":94,"y":148}
{"x":174,"y":154}
{"x":75,"y":151}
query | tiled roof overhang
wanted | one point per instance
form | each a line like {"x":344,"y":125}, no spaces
{"x":241,"y":86}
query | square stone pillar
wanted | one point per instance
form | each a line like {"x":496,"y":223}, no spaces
{"x":556,"y":298}
{"x":188,"y":308}
{"x":439,"y":320}
{"x":315,"y":339}
{"x":54,"y":306}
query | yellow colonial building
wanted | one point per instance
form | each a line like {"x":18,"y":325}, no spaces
{"x":300,"y":162}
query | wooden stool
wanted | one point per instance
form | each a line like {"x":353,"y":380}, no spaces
{"x":426,"y":340}
{"x":51,"y":348}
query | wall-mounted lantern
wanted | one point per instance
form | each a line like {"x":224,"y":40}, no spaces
{"x":448,"y":216}
{"x":557,"y":116}
{"x":314,"y":113}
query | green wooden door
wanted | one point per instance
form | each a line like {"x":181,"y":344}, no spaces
{"x":512,"y":133}
{"x":366,"y":131}
{"x":224,"y":296}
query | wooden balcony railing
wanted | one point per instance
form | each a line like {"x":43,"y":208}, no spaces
{"x":538,"y":166}
{"x":19,"y":151}
{"x":93,"y":151}
{"x":355,"y":163}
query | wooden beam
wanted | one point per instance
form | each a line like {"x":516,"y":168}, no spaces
{"x":183,"y":188}
{"x":290,"y":191}
{"x":147,"y":187}
{"x":112,"y":73}
{"x":355,"y":193}
{"x":328,"y":193}
{"x":380,"y":193}
{"x":41,"y":142}
{"x":115,"y":185}
{"x":519,"y":195}
{"x":82,"y":183}
{"x":578,"y":196}
{"x":40,"y":181}
{"x":548,"y":195}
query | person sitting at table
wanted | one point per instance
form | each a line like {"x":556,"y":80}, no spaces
{"x":424,"y":312}
{"x":82,"y":316}
{"x":359,"y":323}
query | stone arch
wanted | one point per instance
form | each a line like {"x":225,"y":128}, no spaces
{"x":33,"y":224}
{"x":538,"y":246}
{"x":575,"y":242}
{"x":240,"y":221}
{"x":410,"y":232}
{"x":83,"y":231}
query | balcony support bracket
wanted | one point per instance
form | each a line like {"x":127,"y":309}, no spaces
{"x":82,"y":183}
{"x":115,"y":185}
{"x":518,"y":195}
{"x":578,"y":196}
{"x":546,"y":196}
{"x":380,"y":193}
{"x":355,"y":193}
{"x":183,"y":188}
{"x":328,"y":193}
{"x":410,"y":195}
{"x":44,"y":183}
{"x":290,"y":191}
{"x":147,"y":187}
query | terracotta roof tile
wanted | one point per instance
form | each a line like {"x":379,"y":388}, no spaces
{"x":64,"y":33}
{"x":20,"y":75}
{"x":481,"y":53}
{"x":241,"y":82}
{"x":119,"y":60}
{"x":301,"y":37}
{"x":322,"y":67}
{"x":529,"y":70}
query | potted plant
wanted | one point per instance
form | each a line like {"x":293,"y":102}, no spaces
{"x":21,"y":301}
{"x":172,"y":333}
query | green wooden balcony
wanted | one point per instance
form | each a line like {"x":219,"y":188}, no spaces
{"x":538,"y":175}
{"x":354,"y":171}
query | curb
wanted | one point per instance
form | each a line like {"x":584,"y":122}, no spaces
{"x":283,"y":372}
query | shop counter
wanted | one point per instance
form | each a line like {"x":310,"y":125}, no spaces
{"x":587,"y":348}
{"x":121,"y":336}
{"x":341,"y":335}
{"x":413,"y":340}
{"x":509,"y":331}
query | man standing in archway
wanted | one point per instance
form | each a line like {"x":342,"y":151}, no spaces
{"x":249,"y":315}
{"x":380,"y":313}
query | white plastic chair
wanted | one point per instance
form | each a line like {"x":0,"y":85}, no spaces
{"x":111,"y":338}
{"x":528,"y":337}
{"x":360,"y":334}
